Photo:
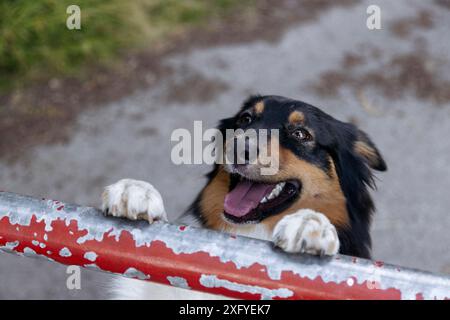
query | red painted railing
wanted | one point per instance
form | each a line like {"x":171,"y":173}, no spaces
{"x":199,"y":259}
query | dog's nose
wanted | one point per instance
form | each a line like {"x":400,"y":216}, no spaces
{"x":249,"y":151}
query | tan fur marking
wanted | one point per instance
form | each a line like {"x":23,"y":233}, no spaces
{"x":367,"y":152}
{"x":320,"y":192}
{"x":212,"y":200}
{"x":296,"y":117}
{"x":259,"y":107}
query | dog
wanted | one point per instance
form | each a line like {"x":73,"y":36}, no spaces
{"x":318,"y":202}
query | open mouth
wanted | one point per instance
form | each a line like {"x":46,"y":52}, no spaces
{"x":252,"y":201}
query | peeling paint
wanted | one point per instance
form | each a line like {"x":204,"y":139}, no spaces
{"x":212,"y":281}
{"x":65,"y":252}
{"x":90,"y":255}
{"x":152,"y":252}
{"x":9,"y":246}
{"x":93,"y":266}
{"x":350,"y":282}
{"x":134,"y":273}
{"x":178,"y":282}
{"x":29,"y":252}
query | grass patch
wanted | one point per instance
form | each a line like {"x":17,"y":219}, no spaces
{"x":35,"y":43}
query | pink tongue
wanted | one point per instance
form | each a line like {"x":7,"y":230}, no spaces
{"x":245,"y":197}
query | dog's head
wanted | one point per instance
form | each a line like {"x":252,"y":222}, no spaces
{"x":323,"y":164}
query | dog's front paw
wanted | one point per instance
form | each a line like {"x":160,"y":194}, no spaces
{"x":306,"y":231}
{"x":133,"y":199}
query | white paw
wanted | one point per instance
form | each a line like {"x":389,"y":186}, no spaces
{"x":306,"y":231}
{"x":133,"y":199}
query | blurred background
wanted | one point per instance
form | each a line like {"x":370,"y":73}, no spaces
{"x":80,"y":109}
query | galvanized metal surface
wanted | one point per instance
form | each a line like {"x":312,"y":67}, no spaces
{"x":198,"y":259}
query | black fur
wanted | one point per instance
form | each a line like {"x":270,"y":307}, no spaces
{"x":331,"y":138}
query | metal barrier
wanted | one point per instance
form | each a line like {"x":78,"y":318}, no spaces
{"x":198,"y":259}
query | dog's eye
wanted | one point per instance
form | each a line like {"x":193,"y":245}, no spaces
{"x":301,"y":135}
{"x":245,"y":119}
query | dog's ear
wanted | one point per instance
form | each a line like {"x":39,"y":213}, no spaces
{"x":366,"y":149}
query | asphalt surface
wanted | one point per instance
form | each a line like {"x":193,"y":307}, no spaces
{"x":131,"y":137}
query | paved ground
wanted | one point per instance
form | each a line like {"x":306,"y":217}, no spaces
{"x":392,"y":82}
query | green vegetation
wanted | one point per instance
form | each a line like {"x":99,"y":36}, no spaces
{"x":35,"y":43}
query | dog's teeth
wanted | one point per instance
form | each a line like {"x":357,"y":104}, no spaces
{"x":271,"y":195}
{"x":274,"y":193}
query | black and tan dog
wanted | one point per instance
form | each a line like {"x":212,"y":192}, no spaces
{"x":318,"y":201}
